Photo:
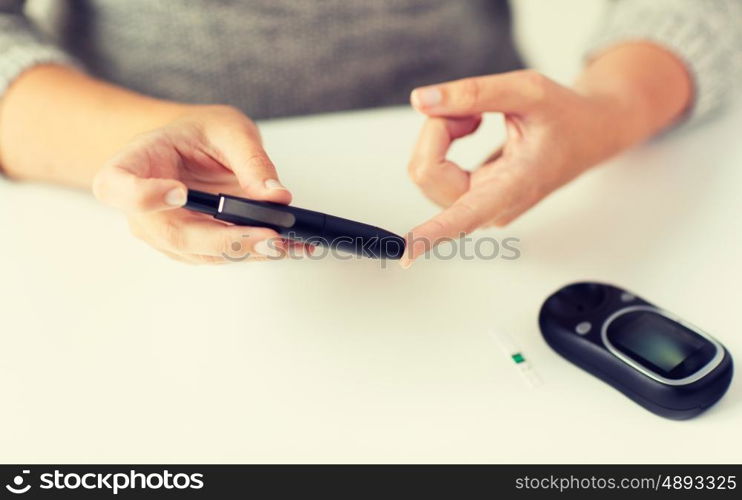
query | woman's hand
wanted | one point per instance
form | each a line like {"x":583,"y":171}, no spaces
{"x":211,"y":148}
{"x":554,"y":133}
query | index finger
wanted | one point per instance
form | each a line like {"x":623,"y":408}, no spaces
{"x":239,"y":148}
{"x":511,"y":92}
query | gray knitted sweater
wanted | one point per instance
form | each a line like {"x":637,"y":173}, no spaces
{"x":285,"y":57}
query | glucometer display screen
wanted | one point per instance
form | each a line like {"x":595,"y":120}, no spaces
{"x":667,"y":348}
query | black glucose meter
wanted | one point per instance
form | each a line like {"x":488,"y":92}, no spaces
{"x":668,"y":366}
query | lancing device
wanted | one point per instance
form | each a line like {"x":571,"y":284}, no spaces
{"x":300,"y":224}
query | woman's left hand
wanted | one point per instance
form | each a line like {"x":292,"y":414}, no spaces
{"x":553,"y":134}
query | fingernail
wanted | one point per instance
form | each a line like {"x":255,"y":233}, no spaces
{"x":426,"y":97}
{"x":405,"y":263}
{"x":176,"y":197}
{"x":266,"y":249}
{"x":274,"y":184}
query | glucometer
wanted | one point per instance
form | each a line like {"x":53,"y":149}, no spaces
{"x":663,"y":363}
{"x":300,"y":224}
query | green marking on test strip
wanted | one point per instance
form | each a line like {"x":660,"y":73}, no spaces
{"x":518,"y":358}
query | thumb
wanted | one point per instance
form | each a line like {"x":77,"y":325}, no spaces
{"x":468,"y":213}
{"x":121,"y":188}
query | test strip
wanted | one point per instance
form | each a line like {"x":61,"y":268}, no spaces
{"x":510,"y":349}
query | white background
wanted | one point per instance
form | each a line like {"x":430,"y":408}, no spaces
{"x":109,"y":352}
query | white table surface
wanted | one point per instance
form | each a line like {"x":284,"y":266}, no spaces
{"x":111,"y":352}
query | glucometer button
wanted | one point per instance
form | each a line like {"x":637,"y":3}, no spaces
{"x":627,"y":297}
{"x":575,"y":301}
{"x":583,"y":328}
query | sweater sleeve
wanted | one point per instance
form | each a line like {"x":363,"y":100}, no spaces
{"x":705,"y":34}
{"x":21,"y":45}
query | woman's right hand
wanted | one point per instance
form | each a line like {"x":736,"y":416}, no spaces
{"x":211,"y":148}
